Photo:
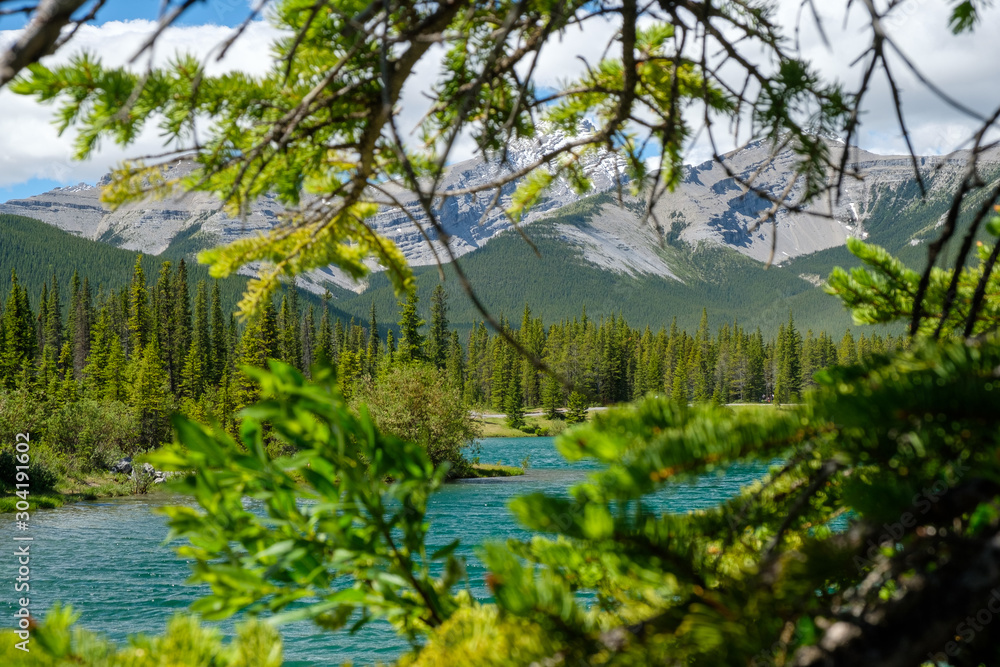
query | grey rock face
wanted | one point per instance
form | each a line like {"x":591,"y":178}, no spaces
{"x":709,"y":206}
{"x":122,"y":466}
{"x":148,"y":226}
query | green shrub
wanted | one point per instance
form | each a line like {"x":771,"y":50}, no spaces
{"x":41,"y":477}
{"x":92,"y":435}
{"x":20,"y":412}
{"x":415,"y":402}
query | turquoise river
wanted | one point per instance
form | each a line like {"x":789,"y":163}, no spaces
{"x":108,"y":560}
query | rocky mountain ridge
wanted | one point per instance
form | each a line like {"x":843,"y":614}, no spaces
{"x":709,"y":206}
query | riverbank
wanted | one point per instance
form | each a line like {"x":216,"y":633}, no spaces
{"x":495,"y":426}
{"x":110,"y":485}
{"x":77,"y":489}
{"x":487,"y":470}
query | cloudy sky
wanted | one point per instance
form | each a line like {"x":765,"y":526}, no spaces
{"x":33,"y":158}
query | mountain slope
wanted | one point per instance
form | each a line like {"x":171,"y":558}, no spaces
{"x":37,"y":250}
{"x":560,"y":282}
{"x":595,"y":251}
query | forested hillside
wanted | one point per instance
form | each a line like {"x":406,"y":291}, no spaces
{"x":95,"y":374}
{"x":38,"y":251}
{"x":558,"y":281}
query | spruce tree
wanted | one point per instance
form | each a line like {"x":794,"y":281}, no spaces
{"x":374,"y":342}
{"x":41,"y":323}
{"x":53,"y":323}
{"x":272,"y":336}
{"x":192,"y":381}
{"x":116,"y":372}
{"x":679,"y":387}
{"x":149,"y":394}
{"x":181,"y":319}
{"x":501,"y":374}
{"x":455,"y":365}
{"x":324,"y":338}
{"x":411,"y":341}
{"x":201,"y":335}
{"x":138,"y":312}
{"x":847,"y":352}
{"x":781,"y":367}
{"x":97,"y":358}
{"x":756,"y":384}
{"x":254,"y":350}
{"x":289,"y":329}
{"x":164,"y":324}
{"x":308,"y":337}
{"x":82,"y":314}
{"x":390,"y":347}
{"x":437,"y":337}
{"x":576,"y":410}
{"x":513,"y":402}
{"x":20,"y":343}
{"x":220,"y":347}
{"x":338,"y":340}
{"x":552,"y":396}
{"x":68,"y":389}
{"x":349,"y":372}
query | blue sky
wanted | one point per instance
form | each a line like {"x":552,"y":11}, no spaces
{"x":219,"y":12}
{"x":12,"y":186}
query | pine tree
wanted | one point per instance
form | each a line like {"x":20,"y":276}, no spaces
{"x":576,"y":411}
{"x":80,"y":323}
{"x":20,"y":344}
{"x":149,"y":395}
{"x":374,"y":342}
{"x":437,"y":338}
{"x":181,"y":321}
{"x":308,"y":337}
{"x":220,"y":347}
{"x":411,"y":342}
{"x":324,"y":338}
{"x":116,"y":372}
{"x":139,"y":317}
{"x":68,"y":389}
{"x":455,"y":366}
{"x":201,"y":335}
{"x":53,"y":322}
{"x":289,"y":329}
{"x":514,"y":402}
{"x":192,"y":381}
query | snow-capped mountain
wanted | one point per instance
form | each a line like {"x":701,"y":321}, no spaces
{"x":709,"y":206}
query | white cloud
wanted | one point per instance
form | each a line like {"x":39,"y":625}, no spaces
{"x":968,"y":67}
{"x":30,"y":146}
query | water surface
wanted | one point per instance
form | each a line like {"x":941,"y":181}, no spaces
{"x":106,"y":558}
